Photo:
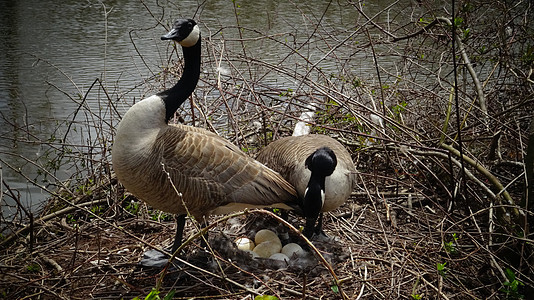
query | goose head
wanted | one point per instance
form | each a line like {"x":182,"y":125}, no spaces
{"x":184,"y":31}
{"x":321,"y":164}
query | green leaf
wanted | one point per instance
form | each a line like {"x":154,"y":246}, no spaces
{"x":153,"y":295}
{"x":509,"y":274}
{"x":170,"y":295}
{"x":265,"y":297}
{"x":442,"y":269}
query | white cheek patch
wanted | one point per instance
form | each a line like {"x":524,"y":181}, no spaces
{"x":192,"y":38}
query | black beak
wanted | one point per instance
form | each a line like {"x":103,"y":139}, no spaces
{"x":173,"y":34}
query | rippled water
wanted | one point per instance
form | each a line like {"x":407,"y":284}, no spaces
{"x":52,"y":51}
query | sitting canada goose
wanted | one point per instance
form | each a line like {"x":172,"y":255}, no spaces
{"x":320,"y":169}
{"x":180,"y":169}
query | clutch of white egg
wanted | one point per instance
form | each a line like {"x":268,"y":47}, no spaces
{"x":267,"y":244}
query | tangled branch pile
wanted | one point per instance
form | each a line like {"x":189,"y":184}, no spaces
{"x":441,"y":210}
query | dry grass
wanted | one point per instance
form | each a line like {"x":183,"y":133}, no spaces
{"x":374,"y":257}
{"x":414,"y":211}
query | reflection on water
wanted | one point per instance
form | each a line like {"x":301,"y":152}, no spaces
{"x":53,"y":51}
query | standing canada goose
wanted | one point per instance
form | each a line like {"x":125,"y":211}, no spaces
{"x":180,"y":169}
{"x":320,"y":169}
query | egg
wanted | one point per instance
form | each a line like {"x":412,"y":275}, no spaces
{"x":267,"y":248}
{"x":280,"y":257}
{"x":292,"y":249}
{"x":266,"y":235}
{"x":244,"y":244}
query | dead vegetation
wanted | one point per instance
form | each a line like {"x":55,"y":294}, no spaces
{"x":441,"y":210}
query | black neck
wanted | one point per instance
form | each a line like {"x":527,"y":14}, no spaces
{"x":175,"y":96}
{"x":321,"y":163}
{"x":313,"y":202}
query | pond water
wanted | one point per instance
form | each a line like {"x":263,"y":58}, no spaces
{"x":52,"y":52}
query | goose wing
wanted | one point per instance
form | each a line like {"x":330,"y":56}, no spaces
{"x":287,"y":156}
{"x":211,"y":172}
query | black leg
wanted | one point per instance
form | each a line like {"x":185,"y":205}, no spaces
{"x":180,"y":224}
{"x":312,"y":231}
{"x":309,"y":227}
{"x":319,"y":228}
{"x":155,"y":259}
{"x":319,"y":234}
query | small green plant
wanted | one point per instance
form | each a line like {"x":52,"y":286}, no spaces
{"x":157,"y":215}
{"x":265,"y":297}
{"x":414,"y":294}
{"x":399,"y":109}
{"x":154,"y":295}
{"x":97,"y":209}
{"x":85,"y":189}
{"x":466,"y":33}
{"x":71,"y":219}
{"x":133,"y":207}
{"x":287,"y":93}
{"x":249,"y":149}
{"x":442,"y":269}
{"x":458,"y":22}
{"x":356,"y":82}
{"x":511,"y":286}
{"x":450,"y":246}
{"x":33,"y":268}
